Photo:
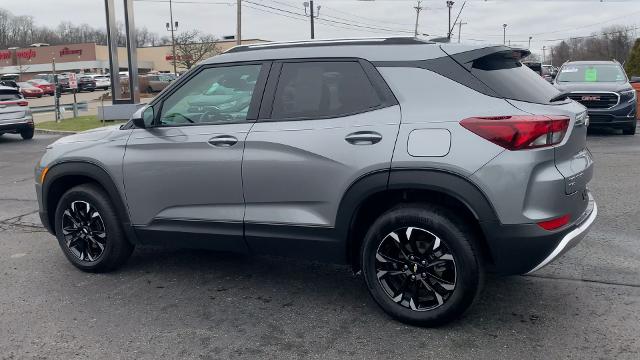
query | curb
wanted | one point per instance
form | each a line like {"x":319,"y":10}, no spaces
{"x":55,"y":132}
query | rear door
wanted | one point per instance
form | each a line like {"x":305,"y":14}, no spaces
{"x":323,"y":124}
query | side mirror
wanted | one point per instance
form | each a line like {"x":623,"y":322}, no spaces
{"x":143,"y":117}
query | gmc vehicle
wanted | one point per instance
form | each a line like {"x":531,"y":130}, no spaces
{"x":15,"y":114}
{"x":419,"y":164}
{"x":603,"y":87}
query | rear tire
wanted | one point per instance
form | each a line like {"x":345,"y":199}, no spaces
{"x":27,"y":134}
{"x":89,"y":231}
{"x":406,"y":288}
{"x":631,"y":130}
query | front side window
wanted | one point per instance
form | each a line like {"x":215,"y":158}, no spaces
{"x":308,"y":90}
{"x":214,"y":96}
{"x":591,"y":73}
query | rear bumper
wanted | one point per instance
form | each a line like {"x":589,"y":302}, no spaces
{"x":16,"y":125}
{"x":525,"y":248}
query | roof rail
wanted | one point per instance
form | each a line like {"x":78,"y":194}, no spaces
{"x":330,"y":42}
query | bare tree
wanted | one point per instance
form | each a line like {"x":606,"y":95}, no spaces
{"x":613,"y":42}
{"x":193,"y":47}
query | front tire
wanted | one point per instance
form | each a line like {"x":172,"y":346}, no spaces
{"x":89,"y":231}
{"x":421,"y":264}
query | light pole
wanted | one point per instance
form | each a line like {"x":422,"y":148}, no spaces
{"x":239,"y":22}
{"x":544,"y":54}
{"x":504,"y":34}
{"x":172,"y":26}
{"x":449,"y":5}
{"x":530,"y":37}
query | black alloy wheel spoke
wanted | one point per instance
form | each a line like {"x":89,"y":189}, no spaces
{"x":84,"y":231}
{"x":415,"y":268}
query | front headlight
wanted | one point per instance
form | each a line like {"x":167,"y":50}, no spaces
{"x":628,"y":96}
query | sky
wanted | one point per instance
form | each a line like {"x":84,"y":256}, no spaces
{"x":544,"y":20}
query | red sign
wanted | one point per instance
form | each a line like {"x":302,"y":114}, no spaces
{"x":73,"y":81}
{"x":27,"y":54}
{"x":67,"y":51}
{"x":178,"y":58}
{"x":5,"y":55}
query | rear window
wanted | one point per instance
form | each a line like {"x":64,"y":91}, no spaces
{"x":309,"y":90}
{"x":510,"y":79}
{"x":9,"y":96}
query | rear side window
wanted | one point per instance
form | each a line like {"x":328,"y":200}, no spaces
{"x":510,"y":79}
{"x":308,"y":90}
{"x":9,"y":96}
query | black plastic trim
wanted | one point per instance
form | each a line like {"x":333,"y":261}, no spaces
{"x":197,"y":234}
{"x":92,"y":171}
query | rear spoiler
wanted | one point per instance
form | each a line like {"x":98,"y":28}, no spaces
{"x":466,"y":58}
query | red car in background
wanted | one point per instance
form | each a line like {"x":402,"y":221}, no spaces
{"x":29,"y":90}
{"x":46,"y":87}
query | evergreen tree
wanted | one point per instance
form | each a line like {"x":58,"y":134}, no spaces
{"x":632,"y":65}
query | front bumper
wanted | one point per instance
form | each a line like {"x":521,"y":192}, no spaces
{"x":525,"y":248}
{"x":620,"y":116}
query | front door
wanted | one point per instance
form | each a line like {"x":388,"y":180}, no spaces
{"x":183,"y":174}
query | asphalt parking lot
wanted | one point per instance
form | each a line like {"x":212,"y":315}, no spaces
{"x":170,"y":304}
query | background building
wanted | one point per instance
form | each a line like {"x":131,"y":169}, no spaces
{"x":89,"y":57}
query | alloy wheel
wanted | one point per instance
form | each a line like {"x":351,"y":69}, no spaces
{"x":84,"y":231}
{"x":415,"y":268}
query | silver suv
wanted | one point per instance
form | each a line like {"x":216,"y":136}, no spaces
{"x":419,"y":164}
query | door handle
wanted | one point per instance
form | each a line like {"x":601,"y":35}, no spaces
{"x":223,"y":141}
{"x":363,"y":138}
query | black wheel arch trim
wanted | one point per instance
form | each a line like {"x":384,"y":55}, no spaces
{"x":96,"y":173}
{"x":438,"y":180}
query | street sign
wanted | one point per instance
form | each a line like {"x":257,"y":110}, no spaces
{"x":73,"y":81}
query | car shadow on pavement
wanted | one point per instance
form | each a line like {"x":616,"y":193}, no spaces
{"x":280,"y":283}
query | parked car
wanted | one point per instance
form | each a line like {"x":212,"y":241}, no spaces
{"x":9,"y":83}
{"x":12,"y":77}
{"x":603,"y":87}
{"x":28,"y":90}
{"x":103,"y":82}
{"x":15,"y":114}
{"x":86,"y":83}
{"x":63,"y":80}
{"x":339,"y":151}
{"x":46,"y":87}
{"x":157,"y":82}
{"x":549,"y":72}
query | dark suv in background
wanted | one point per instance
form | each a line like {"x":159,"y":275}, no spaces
{"x":603,"y":87}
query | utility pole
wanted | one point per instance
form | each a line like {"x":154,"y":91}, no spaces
{"x":171,"y":26}
{"x":312,"y":16}
{"x":418,"y":8}
{"x":56,"y":93}
{"x":530,"y":37}
{"x":239,"y":23}
{"x":449,"y":5}
{"x":460,"y":23}
{"x":504,"y":34}
{"x":544,"y":54}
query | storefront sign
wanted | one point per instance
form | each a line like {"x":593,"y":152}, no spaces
{"x":5,"y":55}
{"x":178,"y":58}
{"x":26,"y":54}
{"x":66,"y":51}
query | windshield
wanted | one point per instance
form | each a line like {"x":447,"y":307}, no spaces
{"x":591,"y":73}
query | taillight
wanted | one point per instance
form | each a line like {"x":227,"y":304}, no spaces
{"x":23,"y":103}
{"x":554,"y":223}
{"x":519,"y":132}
